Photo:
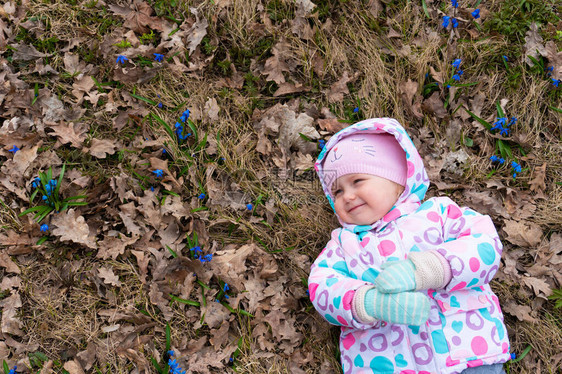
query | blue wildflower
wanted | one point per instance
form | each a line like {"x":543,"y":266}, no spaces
{"x":321,"y":143}
{"x":456,"y":77}
{"x":53,"y":182}
{"x":499,"y":124}
{"x":159,"y":173}
{"x":445,"y":23}
{"x":202,"y":196}
{"x":502,"y":161}
{"x":456,"y":63}
{"x":158,"y":57}
{"x":159,"y":105}
{"x":206,"y":258}
{"x":455,"y":23}
{"x":164,"y":151}
{"x":516,"y":167}
{"x":225,"y":287}
{"x":152,"y":188}
{"x":121,"y":59}
{"x":555,"y":82}
{"x":44,"y":227}
{"x":505,"y":58}
{"x":14,"y":149}
{"x":195,"y":249}
{"x":455,"y":3}
{"x":13,"y":370}
{"x":513,"y":356}
{"x":249,"y":206}
{"x":476,"y":13}
{"x":504,"y":131}
{"x":460,"y":72}
{"x":185,"y":115}
{"x":512,"y":121}
{"x":550,"y":68}
{"x":356,"y":109}
{"x":171,"y":353}
{"x":44,"y":198}
{"x":494,"y":158}
{"x":178,"y":125}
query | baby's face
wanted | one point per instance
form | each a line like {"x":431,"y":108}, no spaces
{"x":363,"y":199}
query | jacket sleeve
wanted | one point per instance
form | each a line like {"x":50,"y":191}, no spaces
{"x":471,"y":244}
{"x":331,"y":286}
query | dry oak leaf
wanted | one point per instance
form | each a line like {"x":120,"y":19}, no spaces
{"x":70,"y":134}
{"x":434,"y":105}
{"x":10,"y":322}
{"x":73,"y":367}
{"x":522,"y":312}
{"x":26,"y":53}
{"x":339,"y":89}
{"x":538,"y":286}
{"x":524,"y":234}
{"x":6,"y":262}
{"x":22,"y":159}
{"x":276,"y":65}
{"x":101,"y":148}
{"x":197,"y":32}
{"x":139,"y":17}
{"x":533,"y":44}
{"x":537,"y":184}
{"x":109,"y":277}
{"x":73,"y":228}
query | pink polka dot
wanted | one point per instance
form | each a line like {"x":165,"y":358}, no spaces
{"x":464,"y":233}
{"x":411,"y":168}
{"x":312,"y":290}
{"x":407,"y":372}
{"x":453,"y":212}
{"x":474,"y":363}
{"x":348,"y":341}
{"x":474,"y":264}
{"x":434,"y":217}
{"x":505,"y":348}
{"x":459,"y":286}
{"x":386,"y":248}
{"x":392,"y":215}
{"x":347,"y":298}
{"x":479,"y":346}
{"x":342,"y":321}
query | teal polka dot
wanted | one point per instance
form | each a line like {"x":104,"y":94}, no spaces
{"x":323,"y":264}
{"x":439,"y":341}
{"x":370,"y":275}
{"x":358,"y":361}
{"x":341,"y":266}
{"x":427,"y":205}
{"x":331,"y":319}
{"x":487,"y":253}
{"x":331,"y":281}
{"x":472,"y":282}
{"x":381,"y":364}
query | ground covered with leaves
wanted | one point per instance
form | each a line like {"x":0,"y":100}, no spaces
{"x":162,"y":151}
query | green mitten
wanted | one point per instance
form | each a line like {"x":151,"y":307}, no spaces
{"x":407,"y":308}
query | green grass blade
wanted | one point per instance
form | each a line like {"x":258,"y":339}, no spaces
{"x":75,"y":197}
{"x":523,"y":354}
{"x":168,"y":337}
{"x":155,"y":364}
{"x":59,"y":182}
{"x":185,"y":301}
{"x":555,"y":109}
{"x":42,"y":240}
{"x":193,"y":129}
{"x":163,"y":123}
{"x":33,"y":195}
{"x":505,"y":150}
{"x":500,"y":110}
{"x":144,"y":99}
{"x":6,"y":367}
{"x":77,"y":203}
{"x":424,"y":6}
{"x":174,"y":254}
{"x":480,"y":120}
{"x":44,"y":214}
{"x":34,"y":209}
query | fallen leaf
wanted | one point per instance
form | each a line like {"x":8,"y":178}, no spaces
{"x":434,"y":105}
{"x":101,"y":148}
{"x":73,"y":367}
{"x":537,"y":183}
{"x":197,"y":31}
{"x":6,"y":262}
{"x":212,"y":109}
{"x":339,"y":89}
{"x":157,"y":298}
{"x":290,"y":88}
{"x":524,"y":234}
{"x":11,"y":324}
{"x":533,"y":44}
{"x":276,"y":65}
{"x":109,"y":277}
{"x":71,"y":133}
{"x":138,"y":18}
{"x":538,"y":286}
{"x":26,"y":53}
{"x":73,"y":228}
{"x":522,"y":312}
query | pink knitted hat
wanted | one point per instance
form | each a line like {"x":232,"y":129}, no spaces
{"x":375,"y":154}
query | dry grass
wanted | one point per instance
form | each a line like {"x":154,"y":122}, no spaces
{"x":61,"y":303}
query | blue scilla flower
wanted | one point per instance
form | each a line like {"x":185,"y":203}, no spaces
{"x":455,"y":3}
{"x":504,"y":131}
{"x":158,"y":172}
{"x":14,"y":149}
{"x":356,"y":109}
{"x":178,"y":125}
{"x":53,"y":182}
{"x":249,"y":206}
{"x":494,"y":158}
{"x":512,"y":121}
{"x":505,"y":58}
{"x":457,"y":77}
{"x":321,"y":143}
{"x":202,"y":196}
{"x":185,"y":115}
{"x":455,"y":23}
{"x":516,"y":167}
{"x":195,"y":249}
{"x":159,"y":105}
{"x":446,"y":20}
{"x":44,"y":227}
{"x":555,"y":82}
{"x":476,"y":13}
{"x":206,"y":258}
{"x":457,"y":63}
{"x":45,"y":198}
{"x":225,"y":287}
{"x":13,"y":370}
{"x":121,"y":59}
{"x":158,"y":57}
{"x":499,"y":124}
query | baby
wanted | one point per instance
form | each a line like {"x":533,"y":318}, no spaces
{"x":408,"y":282}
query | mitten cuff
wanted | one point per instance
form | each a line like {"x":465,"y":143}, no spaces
{"x":431,"y":272}
{"x":358,"y":306}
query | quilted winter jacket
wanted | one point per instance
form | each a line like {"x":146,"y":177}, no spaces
{"x":465,"y":326}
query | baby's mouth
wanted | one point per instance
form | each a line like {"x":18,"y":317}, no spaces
{"x":355,"y":207}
